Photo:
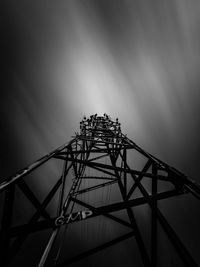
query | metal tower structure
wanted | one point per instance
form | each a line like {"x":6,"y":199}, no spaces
{"x":98,"y":158}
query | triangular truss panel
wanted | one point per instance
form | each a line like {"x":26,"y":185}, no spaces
{"x":100,"y":193}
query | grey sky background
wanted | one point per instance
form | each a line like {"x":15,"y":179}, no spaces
{"x":135,"y":60}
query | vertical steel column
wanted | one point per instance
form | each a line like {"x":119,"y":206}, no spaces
{"x":138,"y":237}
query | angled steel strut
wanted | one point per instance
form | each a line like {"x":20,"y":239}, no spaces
{"x":100,"y":156}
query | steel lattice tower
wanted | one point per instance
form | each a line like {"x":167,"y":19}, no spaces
{"x":99,"y":156}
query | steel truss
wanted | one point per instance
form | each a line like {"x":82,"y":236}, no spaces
{"x":99,"y":138}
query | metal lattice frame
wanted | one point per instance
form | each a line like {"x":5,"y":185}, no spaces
{"x":99,"y":137}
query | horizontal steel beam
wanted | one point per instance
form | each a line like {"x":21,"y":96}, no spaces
{"x":131,"y":171}
{"x":94,"y":187}
{"x":102,"y":210}
{"x":131,"y":203}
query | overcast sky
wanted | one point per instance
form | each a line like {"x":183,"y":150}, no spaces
{"x":135,"y":60}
